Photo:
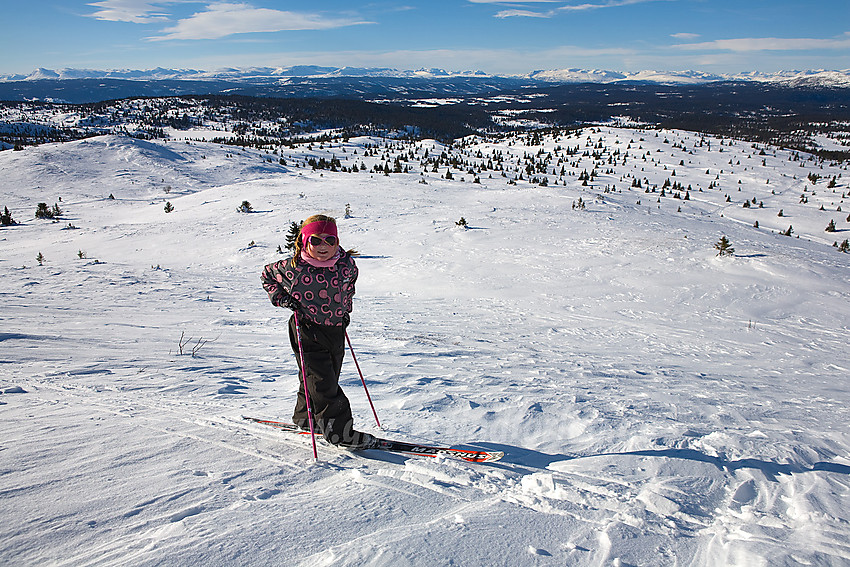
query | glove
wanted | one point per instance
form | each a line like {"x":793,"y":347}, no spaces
{"x":286,"y":301}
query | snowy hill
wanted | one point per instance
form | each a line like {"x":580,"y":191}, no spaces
{"x":657,"y":404}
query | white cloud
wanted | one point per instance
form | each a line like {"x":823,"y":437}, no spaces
{"x":223,"y":19}
{"x":517,"y":12}
{"x":523,"y":14}
{"x":768,"y":44}
{"x":135,"y":11}
{"x":608,"y":4}
{"x":685,"y":35}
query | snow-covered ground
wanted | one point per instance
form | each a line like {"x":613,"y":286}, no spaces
{"x":657,"y":404}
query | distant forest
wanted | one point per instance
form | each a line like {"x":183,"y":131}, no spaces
{"x":759,"y":112}
{"x":752,"y":111}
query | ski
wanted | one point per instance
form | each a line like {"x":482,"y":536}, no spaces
{"x":467,"y":455}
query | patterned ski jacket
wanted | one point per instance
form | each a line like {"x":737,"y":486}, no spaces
{"x":323,"y":295}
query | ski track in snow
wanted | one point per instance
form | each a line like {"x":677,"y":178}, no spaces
{"x":657,"y":405}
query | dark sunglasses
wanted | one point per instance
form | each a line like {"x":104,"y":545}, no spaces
{"x":318,"y":240}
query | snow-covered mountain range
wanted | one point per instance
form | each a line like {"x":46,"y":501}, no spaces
{"x":818,"y":77}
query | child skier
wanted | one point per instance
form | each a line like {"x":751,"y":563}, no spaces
{"x":317,"y":284}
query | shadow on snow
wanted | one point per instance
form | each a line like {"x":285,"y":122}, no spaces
{"x":540,"y":460}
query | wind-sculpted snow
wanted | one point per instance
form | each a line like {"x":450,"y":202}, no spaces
{"x":657,"y":404}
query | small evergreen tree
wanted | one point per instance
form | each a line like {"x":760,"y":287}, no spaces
{"x":845,"y":246}
{"x":831,"y":226}
{"x":245,"y":207}
{"x":462,"y":222}
{"x":724,"y":247}
{"x":40,"y":259}
{"x":6,"y":218}
{"x":168,"y":207}
{"x":292,"y":235}
{"x":42,"y":211}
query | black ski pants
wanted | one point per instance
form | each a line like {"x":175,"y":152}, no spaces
{"x":324,"y":350}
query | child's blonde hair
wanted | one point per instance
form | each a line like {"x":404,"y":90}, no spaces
{"x":299,"y":242}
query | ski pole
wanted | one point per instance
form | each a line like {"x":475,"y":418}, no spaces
{"x":363,"y":380}
{"x":304,"y":380}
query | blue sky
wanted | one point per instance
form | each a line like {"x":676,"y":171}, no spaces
{"x":726,"y":36}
